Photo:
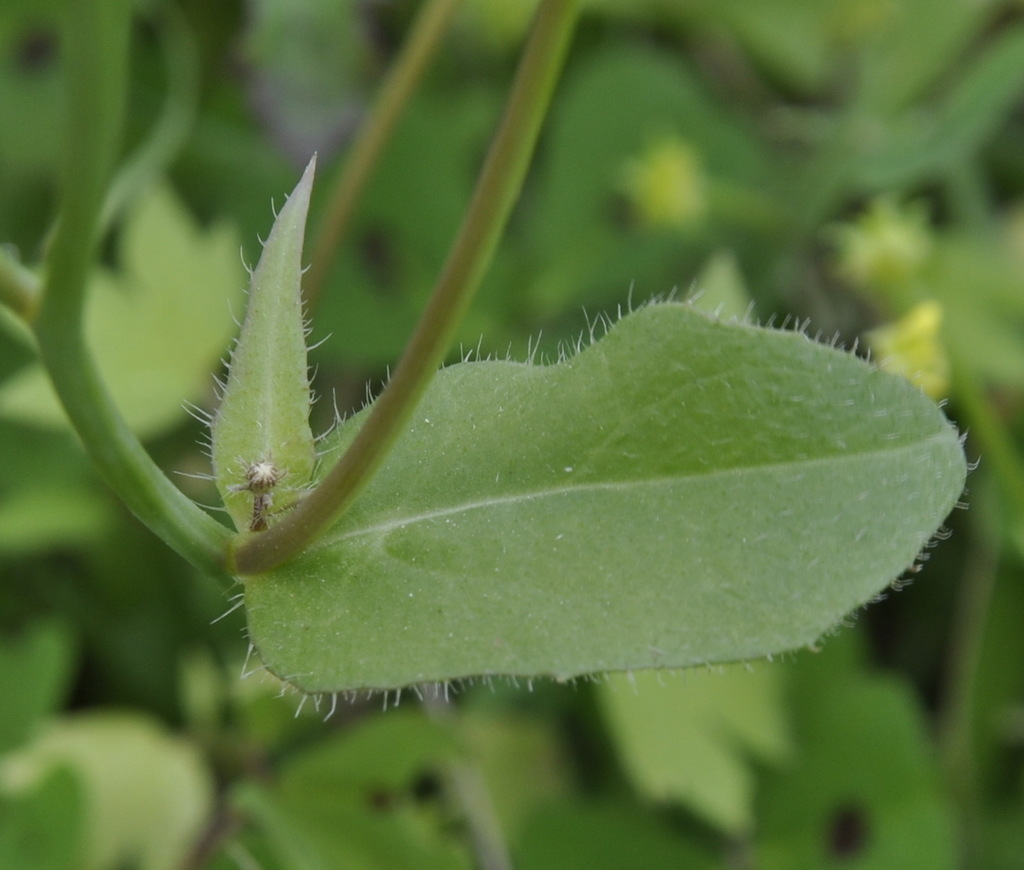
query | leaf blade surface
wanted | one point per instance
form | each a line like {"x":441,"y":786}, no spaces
{"x":682,"y":491}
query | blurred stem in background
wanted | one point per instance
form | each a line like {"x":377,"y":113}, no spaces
{"x":177,"y":116}
{"x":418,"y":50}
{"x":957,"y":723}
{"x":972,"y":617}
{"x":496,"y":192}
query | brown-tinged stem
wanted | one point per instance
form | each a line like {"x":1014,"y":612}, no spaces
{"x":497,"y":190}
{"x":396,"y":90}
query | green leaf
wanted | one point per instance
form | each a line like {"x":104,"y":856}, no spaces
{"x":263,"y":449}
{"x":794,"y":39}
{"x":609,"y":112}
{"x":50,"y":498}
{"x":30,"y":94}
{"x":382,"y":280}
{"x":385,"y":752}
{"x":898,"y":66}
{"x":608,"y":836}
{"x":304,"y":57}
{"x":864,"y":790}
{"x":693,"y":738}
{"x":147,"y":793}
{"x":983,"y":326}
{"x":34,"y":670}
{"x":43,"y":828}
{"x":349,"y":802}
{"x":156,"y":326}
{"x":683,"y":491}
{"x":33,"y":519}
{"x":915,"y":146}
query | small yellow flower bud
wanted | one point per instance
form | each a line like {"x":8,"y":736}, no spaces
{"x":912,"y":346}
{"x":665,"y":185}
{"x":884,"y":248}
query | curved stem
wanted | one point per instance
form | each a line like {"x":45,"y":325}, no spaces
{"x":398,"y":87}
{"x":20,"y":289}
{"x":470,"y":794}
{"x":96,"y":39}
{"x":497,"y":189}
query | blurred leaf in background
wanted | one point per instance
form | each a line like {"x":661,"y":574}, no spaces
{"x":158,"y":326}
{"x":858,"y":163}
{"x":691,"y":737}
{"x":862,"y":787}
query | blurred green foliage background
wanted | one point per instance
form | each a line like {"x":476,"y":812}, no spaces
{"x":855,"y":163}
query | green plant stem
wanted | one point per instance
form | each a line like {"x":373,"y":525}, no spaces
{"x":497,"y":189}
{"x":469,"y":791}
{"x":972,"y":615}
{"x":96,"y":41}
{"x":957,"y":738}
{"x":20,"y":289}
{"x":177,"y":116}
{"x":399,"y":86}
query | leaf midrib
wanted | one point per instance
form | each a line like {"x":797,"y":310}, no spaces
{"x":381,"y":528}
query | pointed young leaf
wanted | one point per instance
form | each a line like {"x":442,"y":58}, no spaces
{"x":682,"y":491}
{"x":263,"y":450}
